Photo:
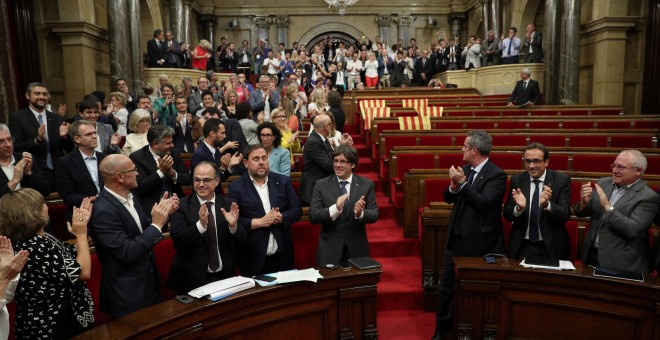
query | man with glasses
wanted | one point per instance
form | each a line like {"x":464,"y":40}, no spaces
{"x":539,"y":204}
{"x":344,"y":203}
{"x":475,"y":226}
{"x":268,"y":207}
{"x":621,"y":209}
{"x":195,"y":98}
{"x":204,"y":230}
{"x":18,"y":170}
{"x":124,"y":238}
{"x":160,"y":167}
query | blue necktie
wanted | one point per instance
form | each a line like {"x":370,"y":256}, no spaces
{"x":471,"y":176}
{"x":49,"y":159}
{"x":343,"y":187}
{"x":509,"y":50}
{"x":534,"y":214}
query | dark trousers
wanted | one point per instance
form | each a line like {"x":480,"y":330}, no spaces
{"x":510,"y":60}
{"x":592,"y":257}
{"x":272,"y":264}
{"x":444,"y":315}
{"x":536,"y":249}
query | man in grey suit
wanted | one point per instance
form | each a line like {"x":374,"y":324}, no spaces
{"x":344,"y":203}
{"x":490,"y":49}
{"x":621,"y":209}
{"x":107,"y":140}
{"x":264,"y":100}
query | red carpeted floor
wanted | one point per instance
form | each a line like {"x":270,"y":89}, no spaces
{"x":400,"y":298}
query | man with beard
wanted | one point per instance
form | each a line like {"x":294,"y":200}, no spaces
{"x":210,"y":149}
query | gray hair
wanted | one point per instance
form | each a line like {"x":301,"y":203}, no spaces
{"x":136,"y":117}
{"x":527,"y":71}
{"x":638,"y":161}
{"x":4,"y":127}
{"x":30,"y":86}
{"x":157,"y":133}
{"x":480,"y":140}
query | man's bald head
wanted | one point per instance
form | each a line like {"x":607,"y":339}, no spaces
{"x":112,"y":164}
{"x":321,"y":121}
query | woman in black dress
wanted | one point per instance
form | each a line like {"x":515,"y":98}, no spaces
{"x":52,"y":299}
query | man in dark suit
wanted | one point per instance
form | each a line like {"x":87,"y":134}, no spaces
{"x":42,"y":133}
{"x":182,"y":125}
{"x":229,"y":59}
{"x":439,"y":58}
{"x":268,"y":208}
{"x":539,"y":205}
{"x":203,"y":230}
{"x":124,"y":238}
{"x":344,"y":203}
{"x":107,"y":139}
{"x":317,"y":156}
{"x":264,"y":100}
{"x":621,"y":209}
{"x":173,"y":52}
{"x":526,"y":92}
{"x":475,"y":224}
{"x":156,"y":50}
{"x":424,"y":67}
{"x":78,"y":172}
{"x":534,"y":45}
{"x":19,"y":167}
{"x":195,"y":98}
{"x":160,"y":167}
{"x":209,"y":150}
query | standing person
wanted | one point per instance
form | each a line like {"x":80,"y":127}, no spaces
{"x":230,"y":59}
{"x":205,"y":233}
{"x":173,"y":53}
{"x":264,"y":100}
{"x":52,"y":299}
{"x":534,"y":45}
{"x":42,"y":133}
{"x":353,"y":67}
{"x":343,"y":203}
{"x":268,"y":207}
{"x":156,"y":50}
{"x":384,"y":67}
{"x":334,"y":101}
{"x":539,"y":204}
{"x":164,"y":106}
{"x":124,"y":238}
{"x":289,"y":138}
{"x":201,"y":55}
{"x":397,"y":76}
{"x":475,"y":225}
{"x":131,"y":97}
{"x":182,"y":125}
{"x":260,"y":53}
{"x":453,"y":54}
{"x":526,"y":92}
{"x":490,"y":50}
{"x":117,"y":110}
{"x":621,"y":209}
{"x":371,"y":70}
{"x":245,"y":58}
{"x":18,"y":169}
{"x":424,"y":68}
{"x":209,"y":149}
{"x":472,"y":53}
{"x":510,"y":47}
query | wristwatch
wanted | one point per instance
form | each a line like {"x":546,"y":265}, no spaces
{"x":610,"y":209}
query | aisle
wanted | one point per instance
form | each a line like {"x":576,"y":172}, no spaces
{"x":400,"y":295}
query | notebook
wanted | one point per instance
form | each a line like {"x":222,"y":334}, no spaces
{"x":364,"y":263}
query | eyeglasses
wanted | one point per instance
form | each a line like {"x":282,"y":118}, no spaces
{"x":619,"y":167}
{"x":126,"y":171}
{"x":266,"y":135}
{"x":9,"y":140}
{"x":204,"y":180}
{"x":534,"y":161}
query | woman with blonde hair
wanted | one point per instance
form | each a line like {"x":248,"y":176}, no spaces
{"x":117,"y":108}
{"x":52,"y":299}
{"x":231,"y":100}
{"x":139,"y":123}
{"x":317,"y":103}
{"x":289,"y":107}
{"x":289,"y":139}
{"x":371,"y":70}
{"x":201,"y":55}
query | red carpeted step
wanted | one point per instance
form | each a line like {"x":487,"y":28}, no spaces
{"x":385,"y":240}
{"x":405,"y":324}
{"x":366,"y":164}
{"x":363,"y":150}
{"x":368,"y":173}
{"x":400,"y":285}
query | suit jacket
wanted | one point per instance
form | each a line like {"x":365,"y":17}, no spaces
{"x":203,"y":153}
{"x":279,"y":160}
{"x":191,"y":262}
{"x":537,"y":49}
{"x":492,"y":46}
{"x":257,"y":101}
{"x":477,"y":214}
{"x":24,"y":128}
{"x":154,"y":53}
{"x":532,"y":93}
{"x":317,"y":164}
{"x":381,"y":66}
{"x":195,"y":100}
{"x":281,"y":194}
{"x":552,"y":223}
{"x":150,"y":186}
{"x":345,"y":229}
{"x":173,"y":55}
{"x":74,"y":182}
{"x":425,"y":68}
{"x":234,"y":132}
{"x":471,"y":55}
{"x":242,"y":53}
{"x":230,"y":63}
{"x":624,"y":240}
{"x":181,"y":139}
{"x":439,"y":60}
{"x":35,"y":181}
{"x":129,"y":275}
{"x":105,"y":133}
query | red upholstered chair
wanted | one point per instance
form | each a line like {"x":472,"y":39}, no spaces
{"x":380,"y":127}
{"x":614,"y":124}
{"x":164,"y":252}
{"x":550,"y":140}
{"x":578,"y":124}
{"x":653,"y":166}
{"x":447,"y":125}
{"x":512,"y":125}
{"x":558,"y":162}
{"x":572,"y":112}
{"x":592,"y":163}
{"x":57,"y":213}
{"x":435,"y":140}
{"x":305,"y":241}
{"x":509,"y":140}
{"x":94,"y":286}
{"x":390,"y":143}
{"x":434,"y":189}
{"x":572,"y":230}
{"x":605,"y":111}
{"x":432,"y":111}
{"x":514,"y":113}
{"x":631,"y":142}
{"x":576,"y":187}
{"x":487,"y":113}
{"x":647,"y":124}
{"x":480,"y":125}
{"x":507,"y":161}
{"x":405,"y":162}
{"x":588,"y":141}
{"x":506,"y":191}
{"x":446,"y":160}
{"x":551,"y":124}
{"x":457,"y":113}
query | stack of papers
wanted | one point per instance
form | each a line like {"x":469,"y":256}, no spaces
{"x":563,"y":265}
{"x":310,"y":274}
{"x":223,"y":288}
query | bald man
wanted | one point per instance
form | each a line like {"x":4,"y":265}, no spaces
{"x":124,"y":237}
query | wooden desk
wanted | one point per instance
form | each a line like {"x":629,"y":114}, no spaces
{"x":343,"y":305}
{"x":502,"y":301}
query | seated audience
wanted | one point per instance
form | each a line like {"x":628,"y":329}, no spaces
{"x":52,"y":299}
{"x":526,"y":92}
{"x":279,"y":158}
